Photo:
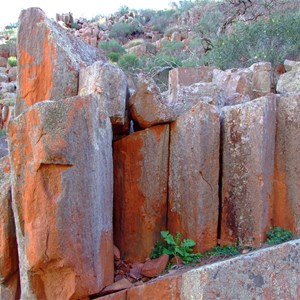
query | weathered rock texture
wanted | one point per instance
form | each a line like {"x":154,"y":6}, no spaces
{"x":194,"y":174}
{"x":287,"y":164}
{"x":110,"y":84}
{"x":48,"y":61}
{"x":9,"y":265}
{"x":289,"y":82}
{"x":140,"y":191}
{"x":185,"y":76}
{"x":62,"y":180}
{"x":266,"y":274}
{"x":147,"y":105}
{"x":271,"y":273}
{"x":248,"y":141}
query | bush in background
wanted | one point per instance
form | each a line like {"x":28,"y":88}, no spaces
{"x":12,"y":61}
{"x":270,"y":40}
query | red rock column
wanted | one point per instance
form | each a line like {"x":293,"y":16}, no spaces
{"x":140,"y":191}
{"x":9,"y":262}
{"x":49,"y":60}
{"x":194,"y":174}
{"x":248,"y":140}
{"x":62,"y":176}
{"x":287,"y":164}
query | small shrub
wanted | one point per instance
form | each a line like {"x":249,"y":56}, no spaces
{"x":123,"y":30}
{"x":2,"y":132}
{"x":265,"y":40}
{"x":129,"y":62}
{"x":114,"y":57}
{"x":111,"y":46}
{"x":175,"y":246}
{"x":278,"y":235}
{"x":223,"y":251}
{"x":12,"y":61}
{"x":134,"y":43}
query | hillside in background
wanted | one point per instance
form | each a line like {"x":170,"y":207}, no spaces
{"x":225,"y":34}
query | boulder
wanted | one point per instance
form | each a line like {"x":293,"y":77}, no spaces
{"x":110,"y":84}
{"x":154,"y":267}
{"x":3,"y":62}
{"x":147,"y":105}
{"x":287,"y":164}
{"x":194,"y":175}
{"x":9,"y":262}
{"x":240,"y":81}
{"x":248,"y":141}
{"x":48,"y":61}
{"x":12,"y":74}
{"x":289,"y":82}
{"x":62,"y":179}
{"x":261,"y":80}
{"x":186,"y":76}
{"x":291,"y":65}
{"x":140,"y":191}
{"x":3,"y":78}
{"x":119,"y":285}
{"x":188,"y":96}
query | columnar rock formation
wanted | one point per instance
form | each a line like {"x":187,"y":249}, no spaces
{"x":141,"y":185}
{"x":248,"y":140}
{"x":287,"y":164}
{"x":194,"y":162}
{"x":9,"y":262}
{"x":49,"y":61}
{"x":62,"y":198}
{"x":210,"y":159}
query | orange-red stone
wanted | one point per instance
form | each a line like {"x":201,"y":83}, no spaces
{"x":194,"y":174}
{"x":248,"y":141}
{"x":62,"y":175}
{"x":287,"y":164}
{"x":140,"y":191}
{"x":49,"y":59}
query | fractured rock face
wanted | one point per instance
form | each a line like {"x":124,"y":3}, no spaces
{"x":248,"y":141}
{"x":9,"y":262}
{"x":140,"y":191}
{"x":287,"y":164}
{"x":194,"y":174}
{"x":109,"y":82}
{"x":62,"y":179}
{"x":289,"y":82}
{"x":188,"y":96}
{"x":48,"y":61}
{"x":147,"y":105}
{"x":186,"y":76}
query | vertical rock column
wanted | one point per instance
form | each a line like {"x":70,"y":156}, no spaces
{"x":287,"y":164}
{"x":49,"y":60}
{"x":62,"y":177}
{"x":140,"y":191}
{"x":194,"y":174}
{"x":9,"y":262}
{"x":248,"y":141}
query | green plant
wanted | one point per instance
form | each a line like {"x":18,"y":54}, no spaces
{"x":2,"y":132}
{"x":114,"y":57}
{"x":129,"y":62}
{"x":223,"y":251}
{"x":174,"y":247}
{"x":12,"y":61}
{"x":278,"y":235}
{"x":111,"y":46}
{"x":271,"y":39}
{"x":123,"y":30}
